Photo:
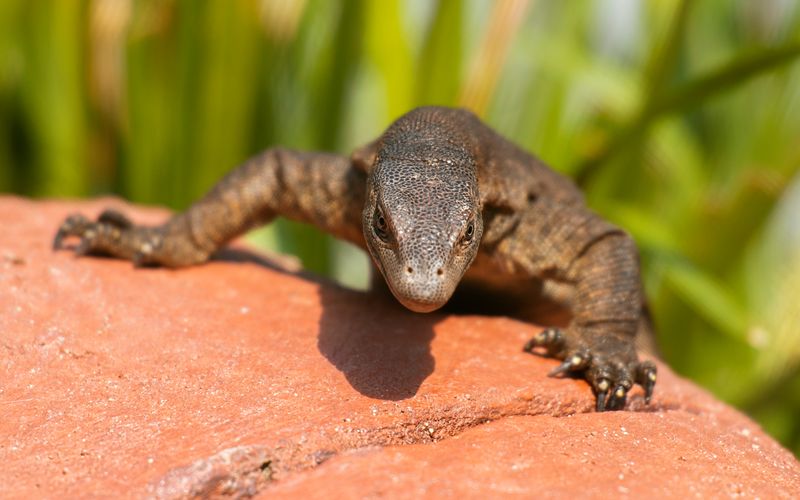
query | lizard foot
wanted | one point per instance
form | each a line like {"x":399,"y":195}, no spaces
{"x":605,"y":359}
{"x":111,"y":234}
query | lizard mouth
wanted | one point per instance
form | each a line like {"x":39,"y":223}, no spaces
{"x":418,"y":297}
{"x":418,"y":306}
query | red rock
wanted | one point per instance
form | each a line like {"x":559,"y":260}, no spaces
{"x":238,"y":378}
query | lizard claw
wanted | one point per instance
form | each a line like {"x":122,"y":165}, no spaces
{"x":550,"y":338}
{"x":601,"y":391}
{"x":575,"y":362}
{"x":74,"y":225}
{"x":617,"y":398}
{"x":646,"y":377}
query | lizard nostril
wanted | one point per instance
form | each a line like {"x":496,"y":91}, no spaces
{"x":409,"y":270}
{"x":439,"y":271}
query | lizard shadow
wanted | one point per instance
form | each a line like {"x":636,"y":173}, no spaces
{"x":381,"y":348}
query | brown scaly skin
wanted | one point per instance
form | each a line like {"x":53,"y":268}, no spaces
{"x":437,"y":191}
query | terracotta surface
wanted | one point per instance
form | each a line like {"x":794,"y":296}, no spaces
{"x":236,"y":377}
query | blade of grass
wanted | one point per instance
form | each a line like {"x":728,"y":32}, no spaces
{"x":690,"y":96}
{"x":440,"y":63}
{"x":321,"y":75}
{"x":388,"y":50}
{"x":191,"y":39}
{"x":153,"y":106}
{"x":664,"y":58}
{"x":53,"y":97}
{"x":648,"y":230}
{"x":724,"y":79}
{"x":335,"y":72}
{"x":225,"y":97}
{"x":10,"y":68}
{"x":687,"y":96}
{"x":662,"y":61}
{"x":708,"y":298}
{"x":506,"y":19}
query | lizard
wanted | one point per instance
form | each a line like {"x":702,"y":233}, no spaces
{"x":439,"y":201}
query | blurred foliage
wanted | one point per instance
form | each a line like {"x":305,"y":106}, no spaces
{"x":680,"y":119}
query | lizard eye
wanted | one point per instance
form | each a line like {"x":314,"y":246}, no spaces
{"x":469,"y":233}
{"x":380,"y":227}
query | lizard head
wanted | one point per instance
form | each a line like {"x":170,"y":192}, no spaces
{"x":422,"y":220}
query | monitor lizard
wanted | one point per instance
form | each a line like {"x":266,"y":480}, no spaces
{"x":437,"y":200}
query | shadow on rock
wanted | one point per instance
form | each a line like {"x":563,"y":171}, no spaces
{"x":381,"y":348}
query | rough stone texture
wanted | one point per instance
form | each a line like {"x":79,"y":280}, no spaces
{"x":238,"y":378}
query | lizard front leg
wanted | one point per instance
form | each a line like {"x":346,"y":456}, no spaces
{"x":318,"y":188}
{"x":567,"y":243}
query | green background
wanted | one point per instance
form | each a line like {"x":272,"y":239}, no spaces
{"x":680,"y":119}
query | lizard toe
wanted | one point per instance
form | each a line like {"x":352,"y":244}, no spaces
{"x":115,"y":218}
{"x":646,"y":377}
{"x":601,"y":388}
{"x":87,"y":243}
{"x":618,"y":396}
{"x":74,"y":225}
{"x":551,"y":339}
{"x":573,"y":362}
{"x":602,"y":379}
{"x":611,"y":381}
{"x":103,"y":236}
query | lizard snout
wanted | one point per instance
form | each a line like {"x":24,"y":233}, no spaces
{"x":422,"y":288}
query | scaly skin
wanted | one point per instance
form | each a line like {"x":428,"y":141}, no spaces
{"x":437,"y":189}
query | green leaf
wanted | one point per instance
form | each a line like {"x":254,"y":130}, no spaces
{"x":646,"y":228}
{"x":709,"y":298}
{"x":735,"y":73}
{"x":439,"y":67}
{"x":389,"y":52}
{"x":689,"y":96}
{"x":664,"y":57}
{"x":54,"y":96}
